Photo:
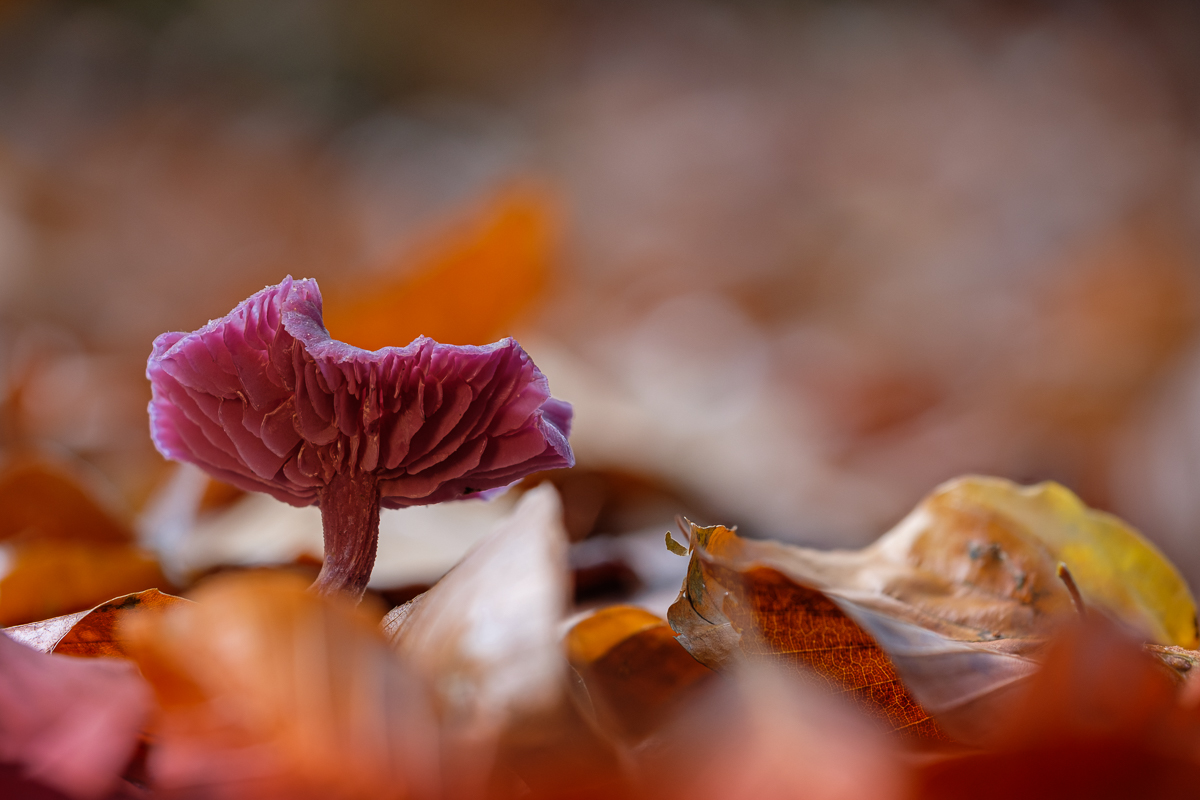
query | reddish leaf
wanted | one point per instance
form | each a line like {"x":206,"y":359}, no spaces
{"x":728,"y":614}
{"x":70,"y":724}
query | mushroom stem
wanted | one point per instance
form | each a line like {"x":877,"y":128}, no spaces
{"x":350,"y":518}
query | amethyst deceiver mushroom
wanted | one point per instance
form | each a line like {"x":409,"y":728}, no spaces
{"x":264,"y":399}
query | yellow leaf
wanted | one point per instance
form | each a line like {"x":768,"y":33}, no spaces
{"x":997,"y":537}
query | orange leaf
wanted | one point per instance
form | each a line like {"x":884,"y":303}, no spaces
{"x":50,"y":578}
{"x":270,"y":691}
{"x":768,"y":736}
{"x":752,"y":613}
{"x":471,"y":289}
{"x":636,"y":673}
{"x":91,"y":633}
{"x":46,"y":500}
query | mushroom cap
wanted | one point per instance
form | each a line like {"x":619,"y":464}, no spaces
{"x":265,"y":400}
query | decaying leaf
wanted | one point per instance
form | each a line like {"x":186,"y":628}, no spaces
{"x":469,"y":289}
{"x":91,"y":633}
{"x":70,"y":724}
{"x":732,"y":611}
{"x":268,"y":691}
{"x":943,"y":615}
{"x":636,"y":674}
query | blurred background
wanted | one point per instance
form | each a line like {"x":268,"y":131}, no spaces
{"x":794,"y":263}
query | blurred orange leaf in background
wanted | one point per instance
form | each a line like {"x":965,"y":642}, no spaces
{"x":65,"y":551}
{"x":46,"y":499}
{"x":470,"y":287}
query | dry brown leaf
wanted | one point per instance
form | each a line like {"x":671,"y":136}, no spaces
{"x":636,"y":674}
{"x":469,"y":289}
{"x":955,"y":602}
{"x":70,"y":724}
{"x":91,"y":633}
{"x":269,"y":691}
{"x":54,"y":577}
{"x":732,"y":611}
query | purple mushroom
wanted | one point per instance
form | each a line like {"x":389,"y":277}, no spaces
{"x":264,"y":399}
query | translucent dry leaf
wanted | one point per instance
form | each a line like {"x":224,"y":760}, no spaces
{"x":486,"y":636}
{"x":92,"y":633}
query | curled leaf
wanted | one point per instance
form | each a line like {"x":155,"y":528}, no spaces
{"x":486,"y":636}
{"x":91,"y":633}
{"x":958,"y":599}
{"x":733,"y":610}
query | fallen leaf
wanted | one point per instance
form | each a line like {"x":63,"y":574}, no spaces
{"x":45,"y":499}
{"x":486,"y":636}
{"x":486,"y":633}
{"x":732,"y":611}
{"x":53,"y":577}
{"x":269,"y":691}
{"x":94,"y":632}
{"x":70,"y":724}
{"x":991,"y":549}
{"x":956,"y":601}
{"x":635,"y":672}
{"x":470,"y":288}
